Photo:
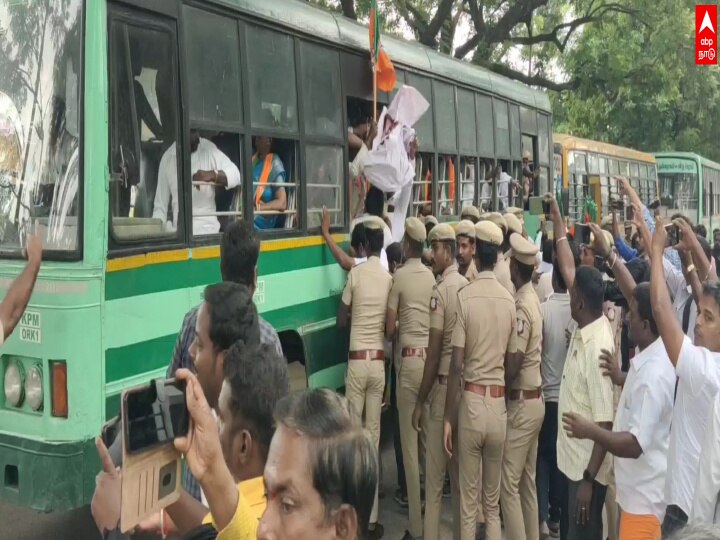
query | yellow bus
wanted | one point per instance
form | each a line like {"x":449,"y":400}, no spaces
{"x":585,"y":169}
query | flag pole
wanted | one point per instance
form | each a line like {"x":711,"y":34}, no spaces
{"x":374,"y":91}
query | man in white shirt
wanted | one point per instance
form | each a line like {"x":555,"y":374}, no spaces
{"x":210,"y":168}
{"x":706,"y":504}
{"x":556,"y":321}
{"x":698,"y":369}
{"x":639,"y":440}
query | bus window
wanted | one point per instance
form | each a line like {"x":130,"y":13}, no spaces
{"x":271,"y":71}
{"x":321,"y":91}
{"x":218,"y":61}
{"x":502,"y":128}
{"x":39,"y":133}
{"x":485,"y":123}
{"x":274,"y":187}
{"x":466,"y":122}
{"x":593,"y":165}
{"x":212,"y":51}
{"x":515,"y":138}
{"x":324,"y":173}
{"x":543,"y":139}
{"x":422,"y":185}
{"x":444,"y":111}
{"x":425,"y":126}
{"x":614,"y":167}
{"x":144,"y":160}
{"x":505,"y":185}
{"x":468,"y":181}
{"x":447,"y":185}
{"x":489,"y":172}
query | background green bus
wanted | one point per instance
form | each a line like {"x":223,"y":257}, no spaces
{"x":690,"y":185}
{"x":81,"y":153}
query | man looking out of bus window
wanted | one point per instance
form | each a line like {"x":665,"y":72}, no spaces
{"x":16,"y":300}
{"x":211,"y":169}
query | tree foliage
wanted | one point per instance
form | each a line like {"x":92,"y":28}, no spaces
{"x":639,"y":85}
{"x":541,"y":29}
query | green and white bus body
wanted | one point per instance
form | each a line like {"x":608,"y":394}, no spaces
{"x":690,"y":185}
{"x":94,"y":95}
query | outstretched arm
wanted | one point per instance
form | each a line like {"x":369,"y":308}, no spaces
{"x":670,"y":330}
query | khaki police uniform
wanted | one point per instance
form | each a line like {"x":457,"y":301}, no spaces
{"x":443,"y":314}
{"x":467,"y":228}
{"x":526,"y":410}
{"x":484,"y":329}
{"x":366,"y":292}
{"x":410,"y":299}
{"x":502,"y":266}
{"x":471,"y":213}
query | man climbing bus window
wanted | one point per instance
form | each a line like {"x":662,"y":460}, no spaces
{"x":270,"y":197}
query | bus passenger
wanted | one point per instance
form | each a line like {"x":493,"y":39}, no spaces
{"x":210,"y":169}
{"x":270,"y":199}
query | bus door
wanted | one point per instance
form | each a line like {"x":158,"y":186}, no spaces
{"x":144,"y":125}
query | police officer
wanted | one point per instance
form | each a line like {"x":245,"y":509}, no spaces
{"x":465,"y":238}
{"x":482,"y":335}
{"x":365,"y":297}
{"x":502,"y":268}
{"x":433,"y":390}
{"x":470,"y":213}
{"x":526,"y":409}
{"x":408,"y":308}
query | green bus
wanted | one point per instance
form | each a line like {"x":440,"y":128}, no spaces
{"x":96,"y":98}
{"x":690,"y":185}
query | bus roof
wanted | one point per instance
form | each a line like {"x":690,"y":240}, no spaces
{"x":319,"y":23}
{"x":576,"y":143}
{"x":688,"y":155}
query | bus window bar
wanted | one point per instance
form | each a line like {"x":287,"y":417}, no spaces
{"x":320,"y":210}
{"x":330,"y":186}
{"x":274,"y":184}
{"x":257,"y":213}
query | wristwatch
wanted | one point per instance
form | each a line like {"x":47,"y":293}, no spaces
{"x":587,"y":477}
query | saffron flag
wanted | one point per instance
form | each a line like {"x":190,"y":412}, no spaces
{"x":386,"y":77}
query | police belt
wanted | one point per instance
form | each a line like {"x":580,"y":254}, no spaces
{"x":417,"y":352}
{"x":494,"y":390}
{"x":374,"y":354}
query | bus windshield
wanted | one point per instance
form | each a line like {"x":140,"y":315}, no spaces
{"x":40,"y":43}
{"x":678,"y":180}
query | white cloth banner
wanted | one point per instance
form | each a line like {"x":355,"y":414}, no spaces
{"x":388,"y":166}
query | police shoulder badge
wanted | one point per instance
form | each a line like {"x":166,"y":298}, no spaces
{"x":433,"y":303}
{"x":520,"y":327}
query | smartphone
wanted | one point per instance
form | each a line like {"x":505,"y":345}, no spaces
{"x":673,"y":232}
{"x":110,"y":431}
{"x":582,"y":234}
{"x":536,"y":206}
{"x":617,"y":205}
{"x":154,"y":415}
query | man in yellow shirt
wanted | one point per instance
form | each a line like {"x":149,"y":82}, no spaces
{"x":256,"y":379}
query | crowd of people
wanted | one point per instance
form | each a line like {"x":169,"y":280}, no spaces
{"x":590,"y":411}
{"x":566,"y":386}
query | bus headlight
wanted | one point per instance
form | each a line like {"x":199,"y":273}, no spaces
{"x":34,"y":388}
{"x":14,"y":384}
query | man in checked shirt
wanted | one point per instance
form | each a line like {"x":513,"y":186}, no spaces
{"x":239,"y":251}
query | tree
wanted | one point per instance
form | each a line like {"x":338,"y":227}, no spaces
{"x":639,"y":85}
{"x":542,"y":29}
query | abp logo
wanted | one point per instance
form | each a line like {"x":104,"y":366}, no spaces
{"x":706,"y":41}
